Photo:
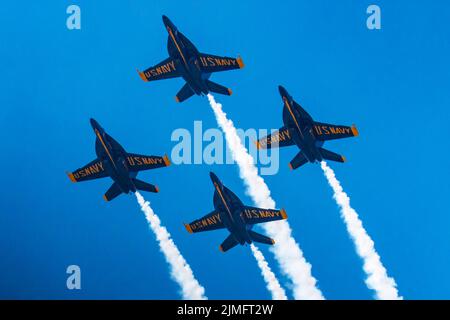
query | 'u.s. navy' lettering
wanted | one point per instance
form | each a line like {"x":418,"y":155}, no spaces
{"x":277,"y":137}
{"x":140,"y":161}
{"x":212,"y":61}
{"x":207,"y":221}
{"x":327,"y":130}
{"x":260,"y":213}
{"x":163,"y":69}
{"x":92,"y":169}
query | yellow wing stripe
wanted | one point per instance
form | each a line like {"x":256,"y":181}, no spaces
{"x":71,"y":176}
{"x":188,"y":228}
{"x":240,"y":62}
{"x":142,"y":75}
{"x":166,"y":160}
{"x":283,"y":213}
{"x":355,"y":131}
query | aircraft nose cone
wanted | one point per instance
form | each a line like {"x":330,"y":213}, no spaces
{"x":282,"y":90}
{"x":166,"y":20}
{"x":94,"y":123}
{"x":213,"y":177}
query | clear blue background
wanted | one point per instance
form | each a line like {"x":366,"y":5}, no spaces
{"x":393,"y":83}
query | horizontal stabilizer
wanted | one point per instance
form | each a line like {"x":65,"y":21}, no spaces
{"x":144,"y":186}
{"x":298,"y":161}
{"x":217,"y":88}
{"x":112,"y":192}
{"x":229,"y":243}
{"x":184,"y":94}
{"x":328,"y":155}
{"x":257,"y":237}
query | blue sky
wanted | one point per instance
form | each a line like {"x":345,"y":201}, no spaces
{"x":393,"y":83}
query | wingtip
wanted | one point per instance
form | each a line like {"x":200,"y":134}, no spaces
{"x":156,"y":189}
{"x":142,"y":75}
{"x":230,"y":92}
{"x":71,"y":176}
{"x":344,"y":159}
{"x":221,"y":249}
{"x":240,"y":62}
{"x":273,"y":241}
{"x":166,"y":160}
{"x":283,"y":213}
{"x":258,"y":146}
{"x":188,"y":227}
{"x":105,"y":198}
{"x":177,"y":99}
{"x":355,"y":131}
{"x":290,"y":166}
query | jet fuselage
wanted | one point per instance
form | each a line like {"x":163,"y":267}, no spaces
{"x":295,"y":117}
{"x":114,"y":159}
{"x":231,"y":211}
{"x":187,"y":55}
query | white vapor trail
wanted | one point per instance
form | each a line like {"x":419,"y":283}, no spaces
{"x":286,"y":249}
{"x":272,"y":283}
{"x":377,"y":278}
{"x":180,"y":271}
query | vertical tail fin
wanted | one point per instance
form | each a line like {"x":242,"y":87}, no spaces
{"x":260,"y":238}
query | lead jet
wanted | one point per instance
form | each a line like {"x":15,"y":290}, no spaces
{"x":194,"y":67}
{"x":113,"y":161}
{"x":301,"y":130}
{"x":230,"y":213}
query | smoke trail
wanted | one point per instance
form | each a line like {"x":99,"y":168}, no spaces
{"x":180,"y":271}
{"x":377,"y":278}
{"x":272,"y":282}
{"x":286,"y":249}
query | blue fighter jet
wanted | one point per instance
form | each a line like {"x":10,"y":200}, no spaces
{"x":187,"y":62}
{"x":230,"y":213}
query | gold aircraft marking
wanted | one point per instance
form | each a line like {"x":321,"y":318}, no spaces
{"x":176,"y":44}
{"x":292,"y":115}
{"x":104,"y":146}
{"x":223,"y":200}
